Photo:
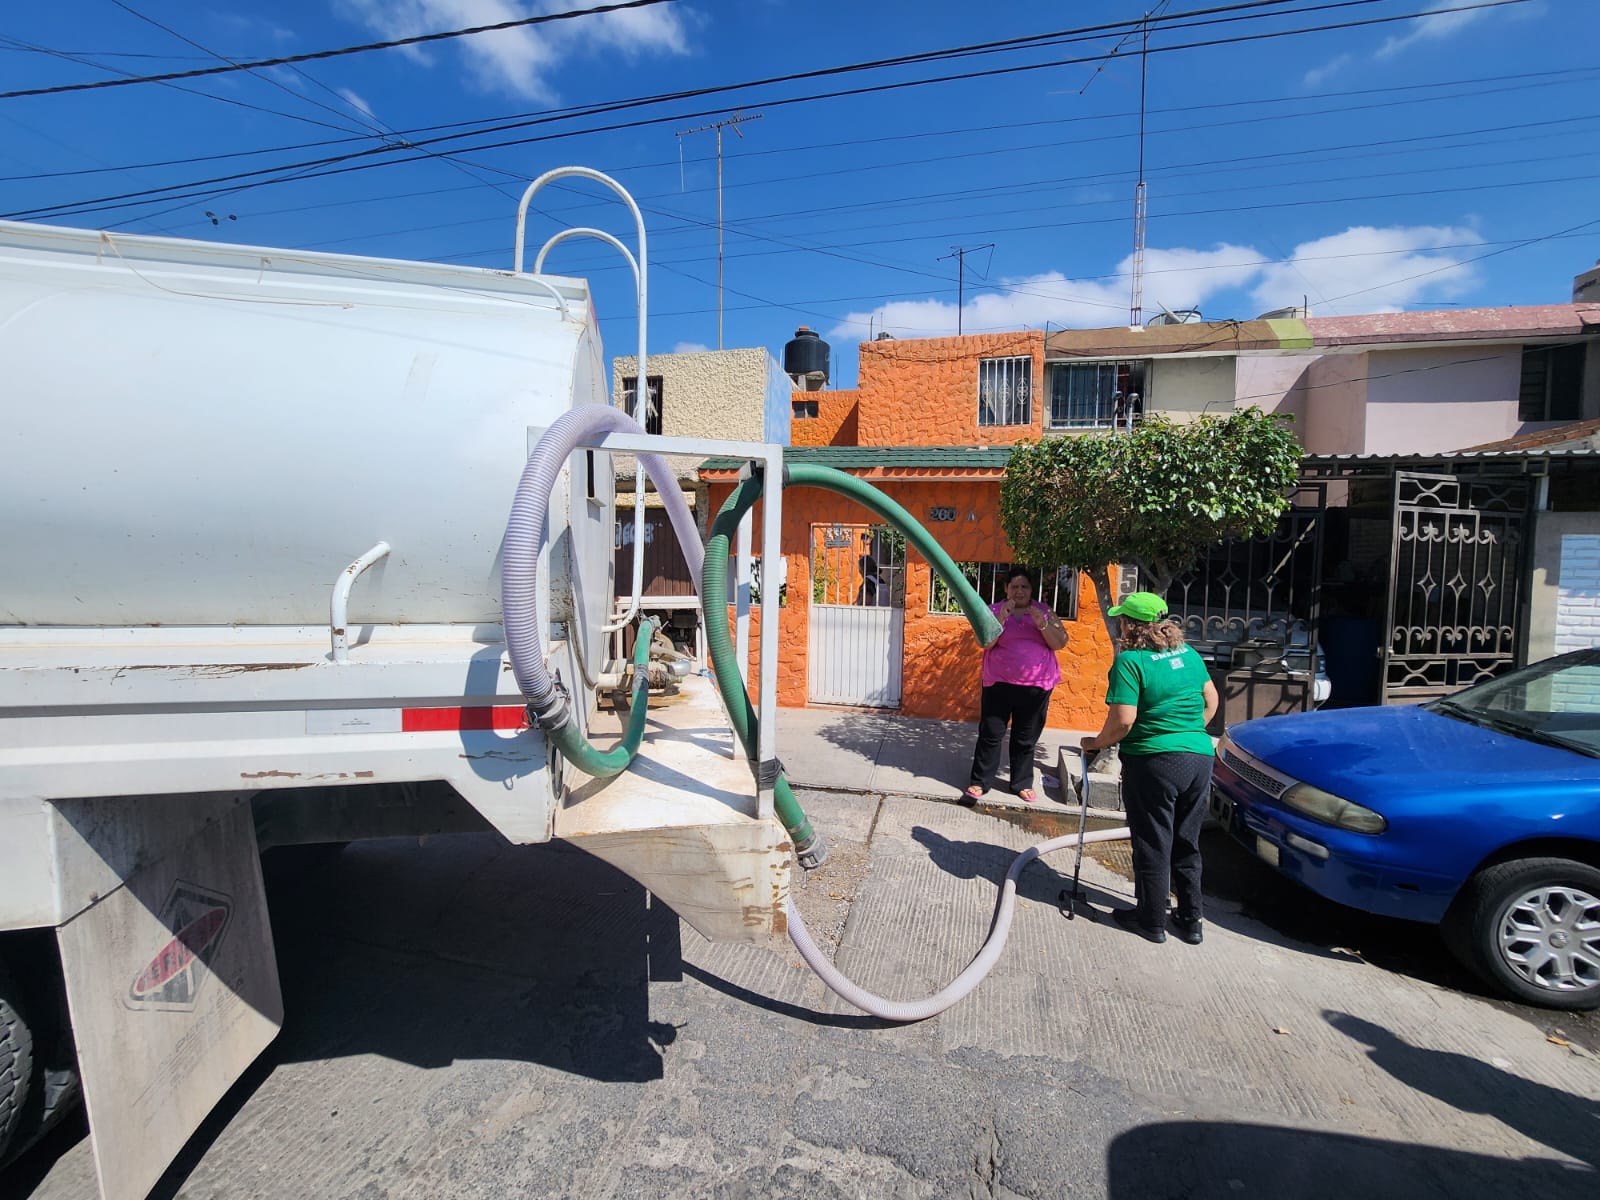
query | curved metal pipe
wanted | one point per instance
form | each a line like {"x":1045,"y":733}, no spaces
{"x":339,"y":607}
{"x":640,"y":267}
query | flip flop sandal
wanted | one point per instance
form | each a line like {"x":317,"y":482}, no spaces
{"x":1029,"y":796}
{"x":972,"y":795}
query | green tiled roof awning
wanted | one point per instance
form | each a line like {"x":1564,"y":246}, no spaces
{"x":846,"y":458}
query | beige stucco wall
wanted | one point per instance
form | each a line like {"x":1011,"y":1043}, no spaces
{"x":1424,"y":401}
{"x":1549,"y":528}
{"x":1187,"y":387}
{"x":711,"y":393}
{"x":1336,"y":414}
{"x":1274,"y":383}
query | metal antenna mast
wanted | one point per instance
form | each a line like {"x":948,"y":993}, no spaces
{"x":1136,"y":306}
{"x":734,"y":121}
{"x":959,"y":253}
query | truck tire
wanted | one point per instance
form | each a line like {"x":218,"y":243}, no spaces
{"x":1529,"y":928}
{"x":16,"y":1063}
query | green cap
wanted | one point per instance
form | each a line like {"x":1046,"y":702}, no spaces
{"x":1141,"y":606}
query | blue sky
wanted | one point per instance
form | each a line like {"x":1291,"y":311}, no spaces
{"x":1438,"y":162}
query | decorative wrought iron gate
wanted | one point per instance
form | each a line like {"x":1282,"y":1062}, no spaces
{"x":1455,"y":583}
{"x":1264,"y":590}
{"x":857,"y":625}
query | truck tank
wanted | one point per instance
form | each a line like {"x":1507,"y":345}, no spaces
{"x":205,"y":435}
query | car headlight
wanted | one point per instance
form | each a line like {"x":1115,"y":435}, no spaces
{"x":1332,"y":810}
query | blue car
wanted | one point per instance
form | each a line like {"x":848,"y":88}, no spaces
{"x":1479,"y":813}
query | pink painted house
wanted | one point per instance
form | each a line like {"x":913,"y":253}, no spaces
{"x":1426,"y":382}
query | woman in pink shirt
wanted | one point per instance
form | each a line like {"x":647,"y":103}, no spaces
{"x":1019,"y":672}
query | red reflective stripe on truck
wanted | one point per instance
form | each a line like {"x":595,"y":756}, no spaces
{"x":441,"y":720}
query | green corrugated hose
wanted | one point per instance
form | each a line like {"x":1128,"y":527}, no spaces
{"x":576,"y":749}
{"x":715,"y":596}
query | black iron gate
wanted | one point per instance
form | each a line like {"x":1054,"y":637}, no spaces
{"x":1455,"y":583}
{"x":1258,"y":591}
{"x":1251,"y":607}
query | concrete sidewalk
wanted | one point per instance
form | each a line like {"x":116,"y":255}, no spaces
{"x":838,"y":748}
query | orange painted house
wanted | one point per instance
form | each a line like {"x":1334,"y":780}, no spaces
{"x":930,"y":423}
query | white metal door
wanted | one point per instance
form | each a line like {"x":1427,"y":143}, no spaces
{"x":857,"y":629}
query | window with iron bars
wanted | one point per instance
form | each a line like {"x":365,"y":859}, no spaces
{"x":652,"y":415}
{"x":1056,"y":588}
{"x":1096,"y":395}
{"x":1005,"y":391}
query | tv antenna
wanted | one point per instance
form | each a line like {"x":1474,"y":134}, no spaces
{"x":733,"y":123}
{"x":959,"y":253}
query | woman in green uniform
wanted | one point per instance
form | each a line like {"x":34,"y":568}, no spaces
{"x":1160,"y":699}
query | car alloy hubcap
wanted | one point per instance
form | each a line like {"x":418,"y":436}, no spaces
{"x":1551,"y":937}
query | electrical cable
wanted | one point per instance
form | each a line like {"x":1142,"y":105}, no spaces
{"x":317,"y":55}
{"x":345,"y":164}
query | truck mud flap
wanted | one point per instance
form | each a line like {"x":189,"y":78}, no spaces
{"x":170,"y":975}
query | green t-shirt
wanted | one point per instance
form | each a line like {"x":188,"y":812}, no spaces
{"x":1167,"y":688}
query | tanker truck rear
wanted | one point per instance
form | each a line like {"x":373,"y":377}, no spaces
{"x":255,"y":515}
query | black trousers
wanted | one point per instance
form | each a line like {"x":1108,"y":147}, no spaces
{"x":1165,"y":795}
{"x":1025,"y":709}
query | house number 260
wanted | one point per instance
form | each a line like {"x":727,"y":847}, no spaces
{"x":941,"y":514}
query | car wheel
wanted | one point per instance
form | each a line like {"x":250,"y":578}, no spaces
{"x":1532,"y":928}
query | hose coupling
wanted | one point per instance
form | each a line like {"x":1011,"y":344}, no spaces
{"x":812,"y":852}
{"x":552,"y":711}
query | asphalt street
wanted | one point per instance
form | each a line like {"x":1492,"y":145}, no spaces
{"x":468,"y":1018}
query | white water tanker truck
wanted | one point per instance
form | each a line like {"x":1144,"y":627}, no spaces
{"x":259,"y":587}
{"x":254,"y":538}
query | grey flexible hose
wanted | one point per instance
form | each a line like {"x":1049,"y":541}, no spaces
{"x":963,"y":984}
{"x":525,"y":529}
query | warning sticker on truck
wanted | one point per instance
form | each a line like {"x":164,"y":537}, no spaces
{"x":173,"y":978}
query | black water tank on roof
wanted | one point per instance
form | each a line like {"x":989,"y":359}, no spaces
{"x":806,"y":354}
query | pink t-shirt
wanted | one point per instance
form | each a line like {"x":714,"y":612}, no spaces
{"x":1021,"y":655}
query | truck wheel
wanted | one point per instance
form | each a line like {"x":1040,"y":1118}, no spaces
{"x":16,"y":1062}
{"x":1532,"y":929}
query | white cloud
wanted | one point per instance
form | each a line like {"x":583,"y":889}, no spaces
{"x":253,"y":28}
{"x":519,"y":61}
{"x":1432,"y":28}
{"x":690,"y":348}
{"x":1378,"y":270}
{"x":356,"y":102}
{"x":1318,"y":76}
{"x":1178,"y":278}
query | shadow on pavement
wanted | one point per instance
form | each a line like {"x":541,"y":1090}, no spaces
{"x":1191,"y":1160}
{"x":467,"y":947}
{"x":810,"y":1016}
{"x":1566,"y":1123}
{"x":1040,"y":881}
{"x":463,"y":948}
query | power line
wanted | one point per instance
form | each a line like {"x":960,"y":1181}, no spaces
{"x":188,"y":91}
{"x":188,"y":41}
{"x":1520,"y":81}
{"x":340,"y":164}
{"x":313,"y":56}
{"x":1364,"y":150}
{"x":1476,"y":258}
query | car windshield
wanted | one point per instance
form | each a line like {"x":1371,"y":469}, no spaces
{"x":1556,"y":702}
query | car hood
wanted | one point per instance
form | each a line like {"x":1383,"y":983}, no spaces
{"x":1371,"y":753}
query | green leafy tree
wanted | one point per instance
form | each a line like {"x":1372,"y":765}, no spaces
{"x":1154,"y":498}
